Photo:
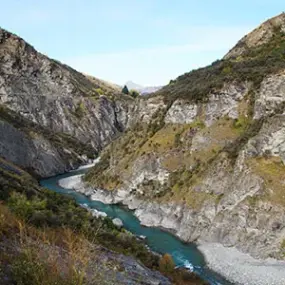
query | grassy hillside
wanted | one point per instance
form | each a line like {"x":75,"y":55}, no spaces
{"x":46,"y":238}
{"x":253,"y":65}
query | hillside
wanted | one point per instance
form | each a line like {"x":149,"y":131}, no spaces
{"x":46,"y":238}
{"x":262,"y":35}
{"x":252,"y":64}
{"x":53,"y":116}
{"x":206,"y":159}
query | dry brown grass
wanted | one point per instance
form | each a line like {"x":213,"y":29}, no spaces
{"x":53,"y":256}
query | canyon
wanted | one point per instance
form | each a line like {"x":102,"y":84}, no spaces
{"x":203,"y":157}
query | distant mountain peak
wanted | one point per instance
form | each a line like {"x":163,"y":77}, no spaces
{"x":142,"y":89}
{"x":132,"y":85}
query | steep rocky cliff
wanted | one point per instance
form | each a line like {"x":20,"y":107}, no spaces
{"x":206,"y":160}
{"x":42,"y":93}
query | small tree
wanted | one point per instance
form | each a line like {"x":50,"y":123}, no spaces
{"x":125,"y":90}
{"x":166,"y":263}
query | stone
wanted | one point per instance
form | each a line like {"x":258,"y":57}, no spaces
{"x":118,"y":222}
{"x":98,"y":214}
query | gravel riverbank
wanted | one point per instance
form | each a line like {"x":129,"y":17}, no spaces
{"x":241,"y":268}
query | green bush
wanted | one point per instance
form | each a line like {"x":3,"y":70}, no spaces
{"x":250,"y":130}
{"x":99,"y":91}
{"x":28,"y":269}
{"x":44,"y":208}
{"x":80,"y":110}
{"x":23,"y":207}
{"x":134,"y":93}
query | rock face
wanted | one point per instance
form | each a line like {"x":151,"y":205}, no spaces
{"x":54,"y":96}
{"x":271,"y":96}
{"x":181,"y":113}
{"x":37,"y":154}
{"x":210,"y":167}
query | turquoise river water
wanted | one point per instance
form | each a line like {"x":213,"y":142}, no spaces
{"x":184,"y":254}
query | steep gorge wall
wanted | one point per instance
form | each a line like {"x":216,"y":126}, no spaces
{"x":45,"y":94}
{"x":213,"y":172}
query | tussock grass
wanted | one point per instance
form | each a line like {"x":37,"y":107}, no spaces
{"x":41,"y":256}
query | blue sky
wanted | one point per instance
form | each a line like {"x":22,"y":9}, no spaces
{"x":147,"y":41}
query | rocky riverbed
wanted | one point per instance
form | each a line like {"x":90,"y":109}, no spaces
{"x":241,"y":268}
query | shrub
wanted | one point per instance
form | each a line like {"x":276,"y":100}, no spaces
{"x":99,"y":91}
{"x":177,"y":141}
{"x":26,"y":270}
{"x":134,"y":93}
{"x":166,"y":264}
{"x":80,"y":110}
{"x":23,"y":207}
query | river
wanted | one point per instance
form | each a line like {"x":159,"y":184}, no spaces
{"x":184,"y":254}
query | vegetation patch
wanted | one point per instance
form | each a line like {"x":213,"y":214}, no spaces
{"x":164,"y":139}
{"x":248,"y":131}
{"x":241,"y":124}
{"x":272,"y":170}
{"x":185,"y":188}
{"x":80,"y":110}
{"x":282,"y":246}
{"x":46,"y":238}
{"x":43,"y":208}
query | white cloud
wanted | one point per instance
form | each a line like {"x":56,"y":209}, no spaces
{"x":157,"y":65}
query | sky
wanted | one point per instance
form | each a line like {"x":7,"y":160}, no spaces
{"x":146,"y":41}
